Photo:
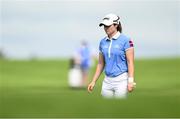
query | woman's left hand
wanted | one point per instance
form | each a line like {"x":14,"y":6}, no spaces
{"x":131,"y":86}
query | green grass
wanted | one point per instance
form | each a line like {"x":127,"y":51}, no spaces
{"x":40,"y":89}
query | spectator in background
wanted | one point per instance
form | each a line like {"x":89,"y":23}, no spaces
{"x":79,"y":66}
{"x":84,"y":54}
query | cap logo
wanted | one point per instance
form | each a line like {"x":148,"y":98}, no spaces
{"x":106,"y":18}
{"x":116,"y":19}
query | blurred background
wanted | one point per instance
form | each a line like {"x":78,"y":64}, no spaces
{"x":38,"y":37}
{"x":53,"y":28}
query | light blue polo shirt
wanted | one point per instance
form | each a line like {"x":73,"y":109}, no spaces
{"x":113,"y":51}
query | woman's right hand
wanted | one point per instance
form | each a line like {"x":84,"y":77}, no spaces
{"x":91,"y":86}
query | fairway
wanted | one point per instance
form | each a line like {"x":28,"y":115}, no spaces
{"x":40,"y":89}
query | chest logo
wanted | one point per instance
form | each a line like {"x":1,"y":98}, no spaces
{"x":116,"y":46}
{"x":104,"y":47}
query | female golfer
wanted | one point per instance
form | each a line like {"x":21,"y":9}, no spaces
{"x":116,"y":58}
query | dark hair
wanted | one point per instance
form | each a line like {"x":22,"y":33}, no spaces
{"x":119,"y":27}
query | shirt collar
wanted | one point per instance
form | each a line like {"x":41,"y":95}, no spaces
{"x":115,"y":36}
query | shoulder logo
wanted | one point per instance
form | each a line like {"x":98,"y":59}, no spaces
{"x":131,"y":43}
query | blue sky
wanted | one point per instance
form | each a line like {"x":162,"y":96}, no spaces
{"x":54,"y":28}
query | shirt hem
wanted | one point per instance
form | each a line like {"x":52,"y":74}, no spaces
{"x":116,"y":75}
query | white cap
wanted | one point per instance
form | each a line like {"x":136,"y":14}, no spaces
{"x":110,"y":19}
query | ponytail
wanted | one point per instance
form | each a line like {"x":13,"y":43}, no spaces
{"x":119,"y":27}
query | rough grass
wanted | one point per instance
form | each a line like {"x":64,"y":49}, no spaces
{"x":39,"y":89}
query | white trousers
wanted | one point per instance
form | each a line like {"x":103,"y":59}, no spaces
{"x":115,"y":87}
